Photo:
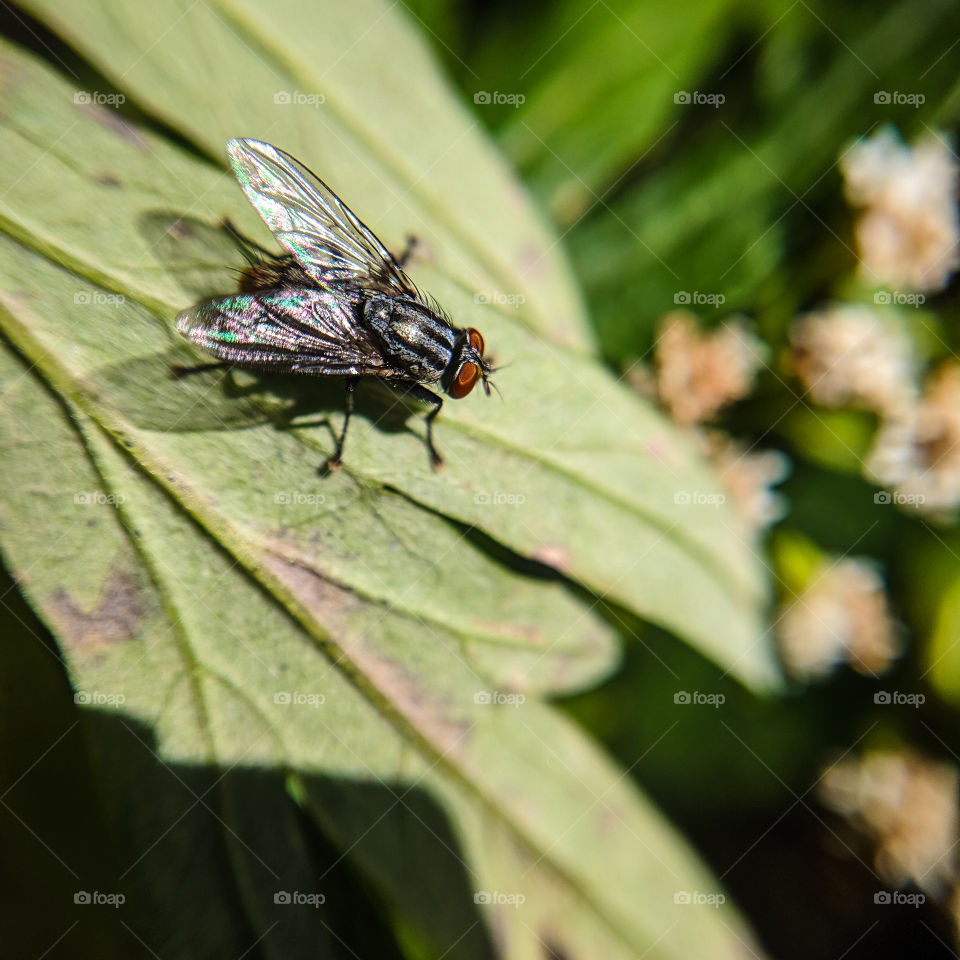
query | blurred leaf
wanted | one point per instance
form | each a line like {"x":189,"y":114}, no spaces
{"x":719,"y":211}
{"x":942,"y":653}
{"x":584,"y":72}
{"x":797,"y":560}
{"x":838,"y":439}
{"x":930,"y":567}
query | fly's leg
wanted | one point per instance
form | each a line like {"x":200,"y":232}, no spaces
{"x":413,"y":389}
{"x":336,"y":461}
{"x":178,"y":371}
{"x":404,"y":257}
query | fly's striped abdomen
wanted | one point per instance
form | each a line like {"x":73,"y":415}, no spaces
{"x":414,"y":339}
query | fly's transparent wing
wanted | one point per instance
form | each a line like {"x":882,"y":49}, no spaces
{"x":297,"y":330}
{"x":327,"y":239}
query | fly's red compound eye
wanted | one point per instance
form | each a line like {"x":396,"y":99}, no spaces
{"x":467,"y":377}
{"x":475,"y":339}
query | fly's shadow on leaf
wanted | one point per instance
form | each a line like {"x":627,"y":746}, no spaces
{"x":280,"y":845}
{"x":150,"y":394}
{"x":202,"y":258}
{"x":147,"y":392}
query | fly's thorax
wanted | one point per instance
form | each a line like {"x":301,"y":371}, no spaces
{"x":412,"y":337}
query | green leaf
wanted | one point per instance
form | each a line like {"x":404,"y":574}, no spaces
{"x":931,"y":569}
{"x":579,"y":129}
{"x":178,"y":539}
{"x":836,"y":439}
{"x":161,"y":625}
{"x":574,"y":446}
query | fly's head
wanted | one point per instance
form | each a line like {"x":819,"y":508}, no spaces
{"x":467,"y":365}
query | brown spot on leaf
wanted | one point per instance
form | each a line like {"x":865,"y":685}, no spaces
{"x":180,"y":229}
{"x":345,"y":617}
{"x":116,"y":123}
{"x":553,"y":555}
{"x":116,"y":617}
{"x":108,"y":180}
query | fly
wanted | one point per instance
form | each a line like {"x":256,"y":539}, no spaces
{"x":338,"y":303}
